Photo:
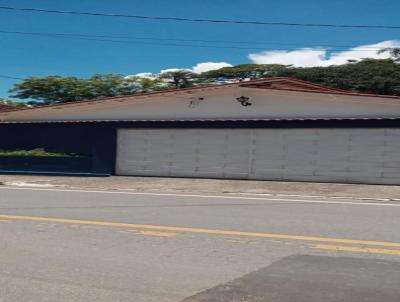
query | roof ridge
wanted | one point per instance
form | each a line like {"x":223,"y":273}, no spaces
{"x":301,"y":82}
{"x":315,"y":85}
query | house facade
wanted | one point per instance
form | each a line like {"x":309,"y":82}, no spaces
{"x":270,"y":129}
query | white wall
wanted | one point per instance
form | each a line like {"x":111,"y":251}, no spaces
{"x":218,"y":103}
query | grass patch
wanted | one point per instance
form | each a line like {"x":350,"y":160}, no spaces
{"x":38,"y":152}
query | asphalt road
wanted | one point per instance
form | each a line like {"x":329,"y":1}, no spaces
{"x":63,"y":245}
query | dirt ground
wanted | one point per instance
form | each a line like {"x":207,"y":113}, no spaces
{"x":206,"y":186}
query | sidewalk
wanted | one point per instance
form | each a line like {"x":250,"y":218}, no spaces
{"x":206,"y":186}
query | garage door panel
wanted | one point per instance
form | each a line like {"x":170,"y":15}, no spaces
{"x":394,"y":174}
{"x":273,"y":144}
{"x":266,"y":153}
{"x":366,"y":148}
{"x":365,"y":132}
{"x":271,"y":151}
{"x":321,"y":178}
{"x":393,"y":149}
{"x":330,"y":146}
{"x":297,"y":150}
{"x":365,"y":160}
{"x":218,"y":161}
{"x":183,"y":165}
{"x":331,"y":167}
{"x":268,"y":138}
{"x":362,"y":174}
{"x":151,"y":173}
{"x":327,"y":140}
{"x":295,"y":163}
{"x":355,"y":155}
{"x":205,"y":153}
{"x":392,"y":164}
{"x":137,"y":158}
{"x":298,"y":169}
{"x":206,"y":174}
{"x":231,"y":162}
{"x":375,"y":161}
{"x":391,"y":155}
{"x":341,"y":174}
{"x":334,"y":158}
{"x":257,"y":168}
{"x":300,"y":158}
{"x":157,"y":165}
{"x":267,"y":175}
{"x":237,"y":137}
{"x":275,"y":163}
{"x":242,"y":158}
{"x":392,"y":135}
{"x":210,"y":168}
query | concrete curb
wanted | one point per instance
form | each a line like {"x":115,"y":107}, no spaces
{"x":277,"y":195}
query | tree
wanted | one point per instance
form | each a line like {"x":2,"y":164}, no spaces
{"x":108,"y":85}
{"x":366,"y":76}
{"x":179,"y":78}
{"x":56,"y":89}
{"x":250,"y":71}
{"x":51,"y":89}
{"x":144,"y":84}
{"x":13,"y":103}
{"x":394,"y":52}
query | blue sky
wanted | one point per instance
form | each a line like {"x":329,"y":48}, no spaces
{"x":23,"y":56}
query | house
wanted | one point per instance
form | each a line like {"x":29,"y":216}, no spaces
{"x":268,"y":129}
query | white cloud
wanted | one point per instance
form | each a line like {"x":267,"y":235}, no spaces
{"x":172,"y":70}
{"x":144,"y":75}
{"x":207,"y":66}
{"x":200,"y":67}
{"x":308,"y":57}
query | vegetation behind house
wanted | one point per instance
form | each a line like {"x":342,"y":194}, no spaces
{"x":366,"y":76}
{"x":38,"y":152}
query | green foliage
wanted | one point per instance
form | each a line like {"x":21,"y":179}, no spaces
{"x":146,"y":84}
{"x":12,"y":103}
{"x":367,"y":76}
{"x":55,"y":89}
{"x":251,"y":71}
{"x":39,"y":152}
{"x":180,"y":78}
{"x":50,"y":89}
{"x":394,"y":52}
{"x":106,"y":85}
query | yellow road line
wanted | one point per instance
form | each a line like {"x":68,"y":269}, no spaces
{"x":159,"y":234}
{"x":356,"y":249}
{"x":201,"y":230}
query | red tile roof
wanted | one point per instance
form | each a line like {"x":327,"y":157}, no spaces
{"x":6,"y":108}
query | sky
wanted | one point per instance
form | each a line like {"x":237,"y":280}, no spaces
{"x":22,"y":56}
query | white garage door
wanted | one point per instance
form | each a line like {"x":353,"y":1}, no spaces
{"x":344,"y":155}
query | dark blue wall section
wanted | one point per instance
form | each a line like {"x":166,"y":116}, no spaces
{"x":96,"y":141}
{"x":73,"y":165}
